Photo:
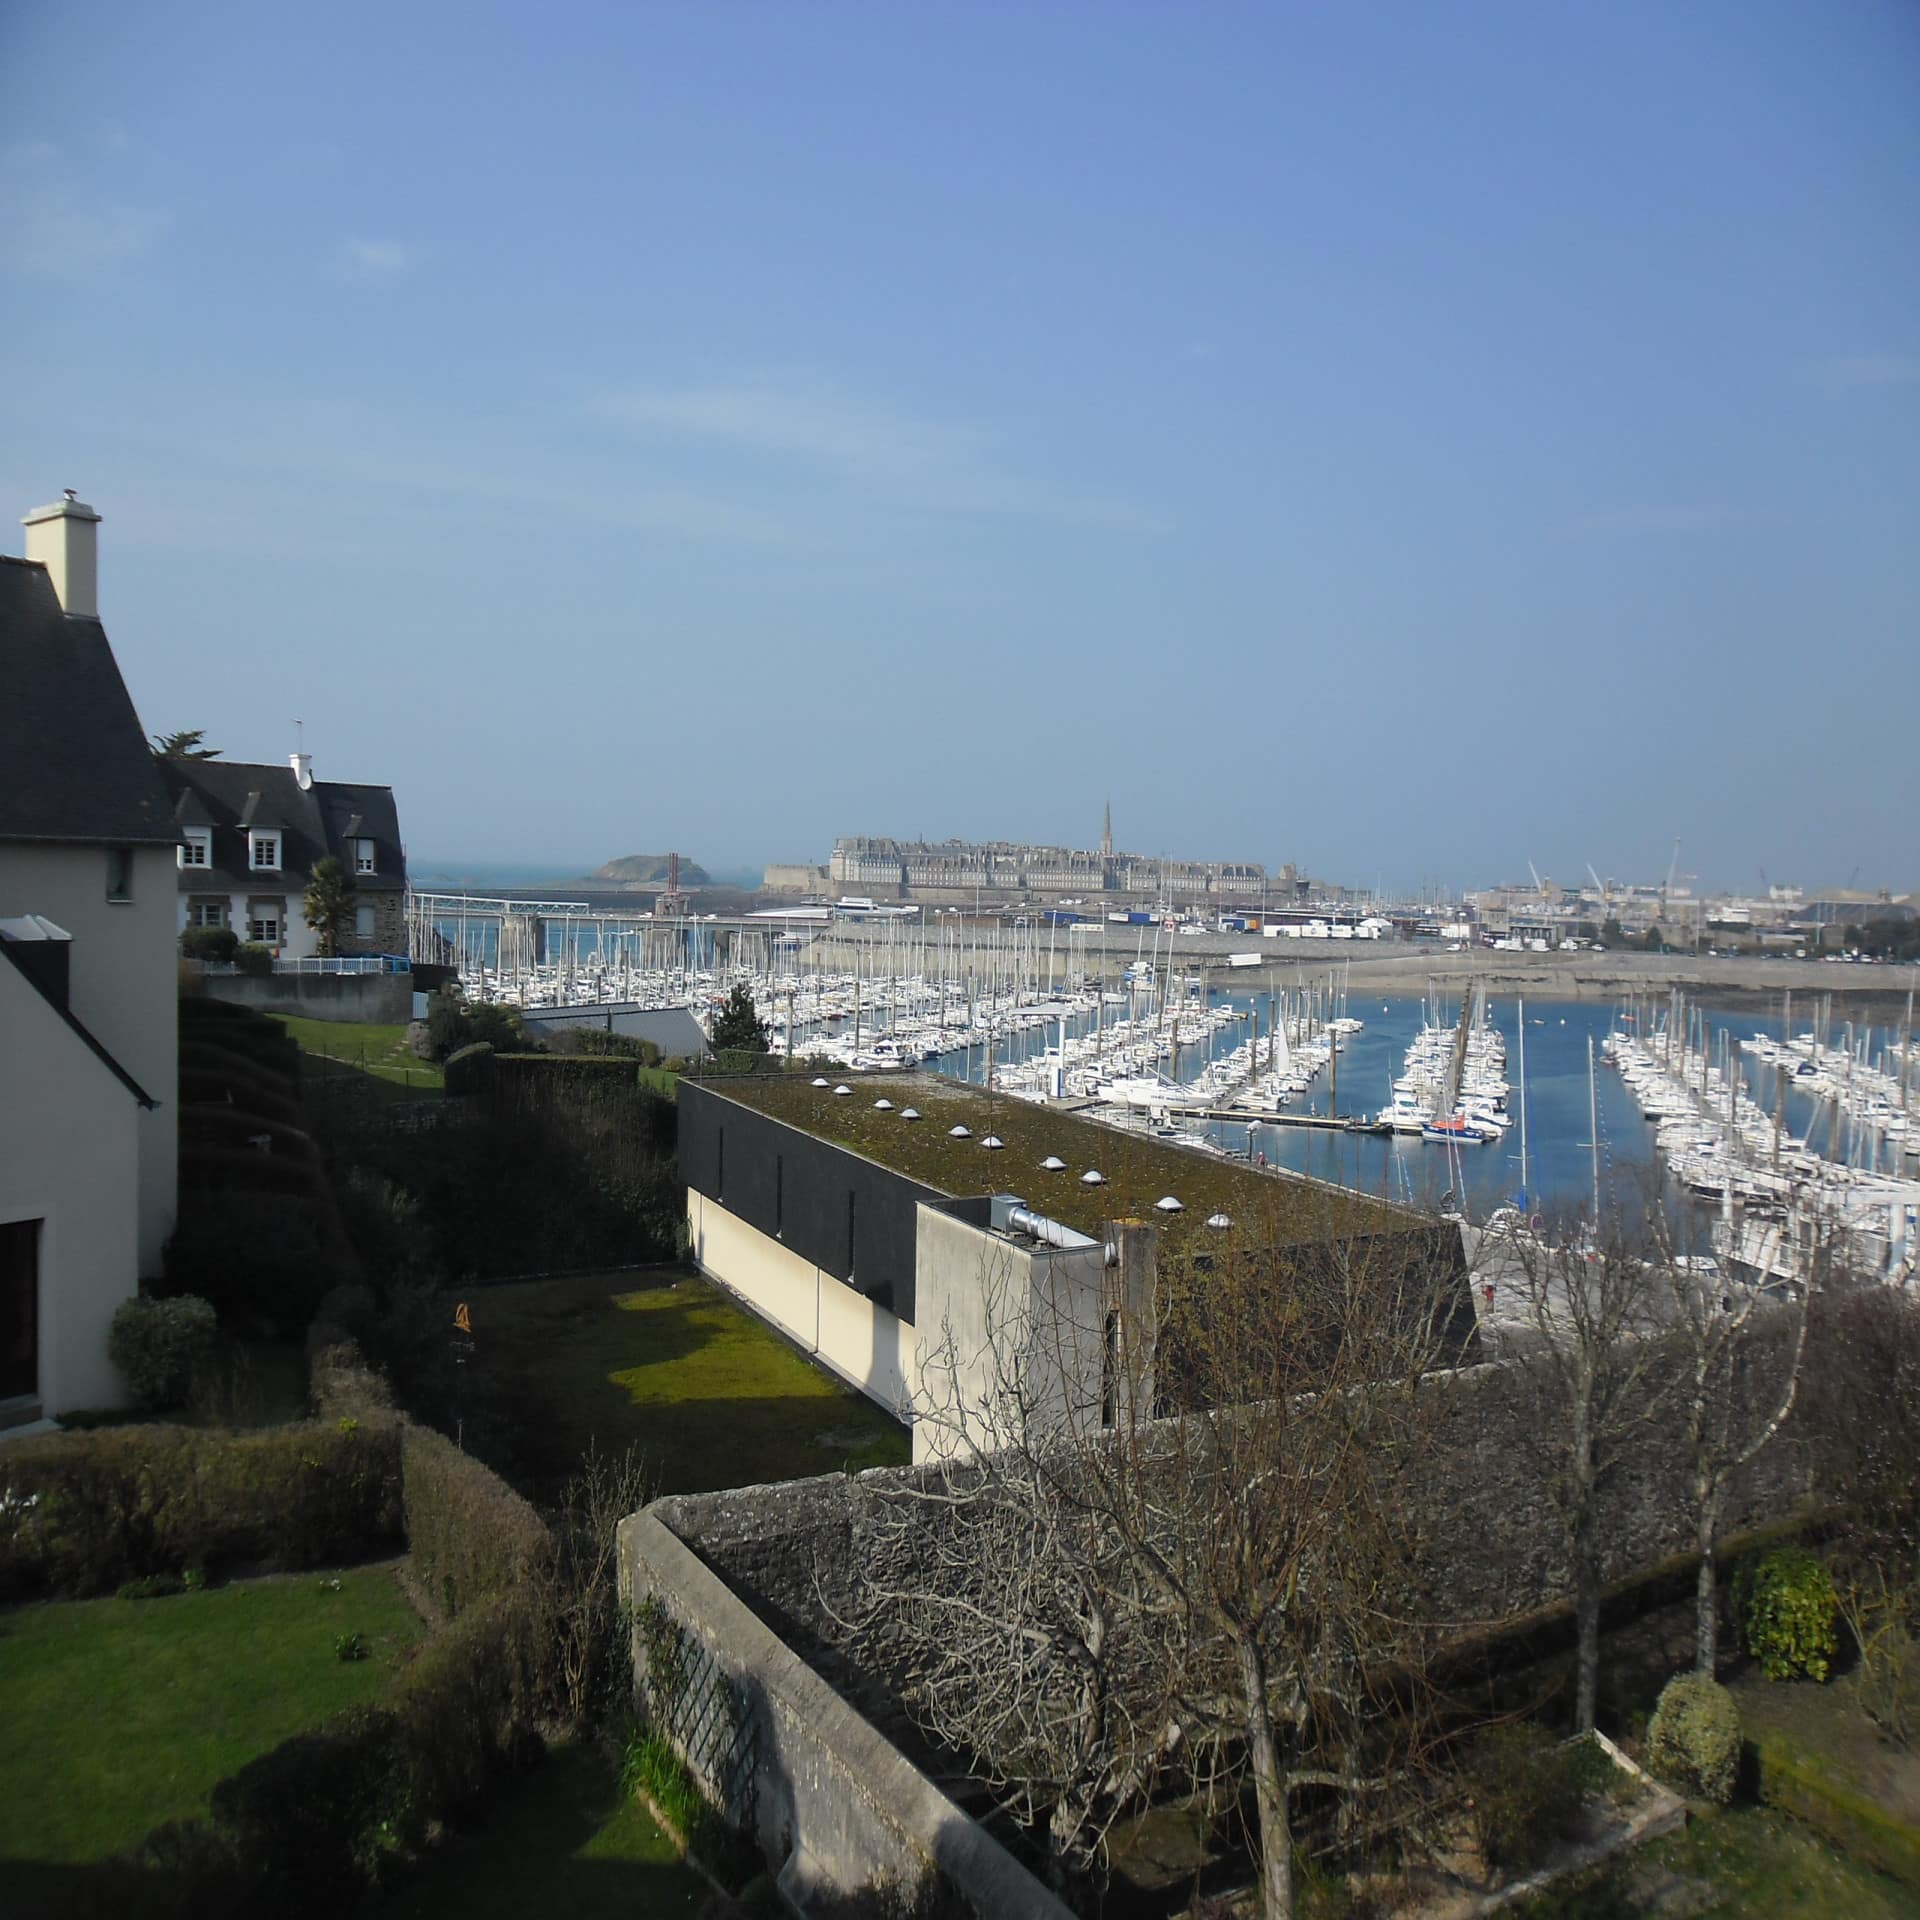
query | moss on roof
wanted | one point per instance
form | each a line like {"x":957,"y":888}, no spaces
{"x":1278,"y":1208}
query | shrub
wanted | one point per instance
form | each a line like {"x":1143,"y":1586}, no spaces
{"x":158,"y":1344}
{"x":253,"y":959}
{"x":472,"y":1537}
{"x":217,"y":944}
{"x":257,"y":1257}
{"x":344,"y":1387}
{"x":1890,"y":1683}
{"x":597,"y":1040}
{"x":307,"y":1814}
{"x":87,"y":1512}
{"x":1693,"y":1738}
{"x":1526,"y":1788}
{"x":1788,"y":1613}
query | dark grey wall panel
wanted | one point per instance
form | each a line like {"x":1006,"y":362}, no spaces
{"x":842,"y":1213}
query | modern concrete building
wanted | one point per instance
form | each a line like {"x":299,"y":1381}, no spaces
{"x":250,"y":837}
{"x":902,"y":1253}
{"x":89,"y":1032}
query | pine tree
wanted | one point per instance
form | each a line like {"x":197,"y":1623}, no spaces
{"x":738,"y":1026}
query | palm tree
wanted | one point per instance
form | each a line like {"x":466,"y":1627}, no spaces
{"x":330,"y":903}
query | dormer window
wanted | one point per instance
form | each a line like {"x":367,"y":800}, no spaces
{"x":363,"y":856}
{"x":264,"y":852}
{"x":196,"y":850}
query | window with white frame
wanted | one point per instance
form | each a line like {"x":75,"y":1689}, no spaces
{"x":196,"y":849}
{"x":264,"y":853}
{"x":207,"y":913}
{"x":363,"y":856}
{"x":263,"y":928}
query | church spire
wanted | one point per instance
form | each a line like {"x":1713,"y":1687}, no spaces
{"x":1106,"y":832}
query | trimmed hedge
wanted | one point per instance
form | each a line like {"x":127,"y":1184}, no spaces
{"x":84,"y":1513}
{"x":472,"y":1537}
{"x":302,"y":1829}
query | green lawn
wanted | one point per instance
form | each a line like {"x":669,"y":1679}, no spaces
{"x":362,"y":1046}
{"x":668,"y":1361}
{"x":565,"y":1840}
{"x":1749,"y":1863}
{"x":119,"y":1714}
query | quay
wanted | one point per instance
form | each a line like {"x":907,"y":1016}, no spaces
{"x":1324,"y":1123}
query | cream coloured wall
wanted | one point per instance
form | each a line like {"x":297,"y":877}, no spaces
{"x":869,"y":1348}
{"x":69,"y":1156}
{"x":124,"y":987}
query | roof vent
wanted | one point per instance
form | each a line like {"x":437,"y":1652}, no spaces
{"x":1093,"y":1177}
{"x":991,"y":1141}
{"x":959,"y":1133}
{"x":1053,"y":1164}
{"x":1218,"y":1220}
{"x":909,"y":1113}
{"x":843,"y":1088}
{"x":820,"y":1080}
{"x":1168,"y":1204}
{"x":883,"y":1105}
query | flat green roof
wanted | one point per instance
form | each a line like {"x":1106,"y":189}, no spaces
{"x":1275,"y":1208}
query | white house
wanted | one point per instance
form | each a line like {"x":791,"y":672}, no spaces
{"x":89,"y":1023}
{"x":251,"y":835}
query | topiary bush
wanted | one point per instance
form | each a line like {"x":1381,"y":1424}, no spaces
{"x":158,"y":1344}
{"x":1526,"y":1786}
{"x":1693,"y":1738}
{"x":217,"y":944}
{"x":1789,"y":1614}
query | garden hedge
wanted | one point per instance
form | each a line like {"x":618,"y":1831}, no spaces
{"x":471,"y":1536}
{"x":84,"y":1513}
{"x":301,"y":1829}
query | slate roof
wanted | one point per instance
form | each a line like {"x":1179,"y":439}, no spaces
{"x":229,"y":796}
{"x":74,"y":762}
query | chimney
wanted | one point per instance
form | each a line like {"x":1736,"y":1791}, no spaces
{"x":302,"y":765}
{"x":63,"y":537}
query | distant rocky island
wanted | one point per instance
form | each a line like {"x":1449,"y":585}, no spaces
{"x":649,"y":870}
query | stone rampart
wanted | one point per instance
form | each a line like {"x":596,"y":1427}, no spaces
{"x":835,"y":1807}
{"x":800,"y":1561}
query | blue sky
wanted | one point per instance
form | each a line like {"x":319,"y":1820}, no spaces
{"x":1406,"y":439}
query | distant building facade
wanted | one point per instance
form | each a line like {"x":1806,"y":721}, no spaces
{"x":922,"y":869}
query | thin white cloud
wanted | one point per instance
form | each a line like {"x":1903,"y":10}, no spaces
{"x":1872,"y":370}
{"x":916,"y":464}
{"x":53,"y":228}
{"x":810,"y":421}
{"x":374,"y":259}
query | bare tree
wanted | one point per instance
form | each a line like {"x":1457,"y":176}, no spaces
{"x":1583,"y":1316}
{"x":1742,"y":1352}
{"x":1199,"y":1559}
